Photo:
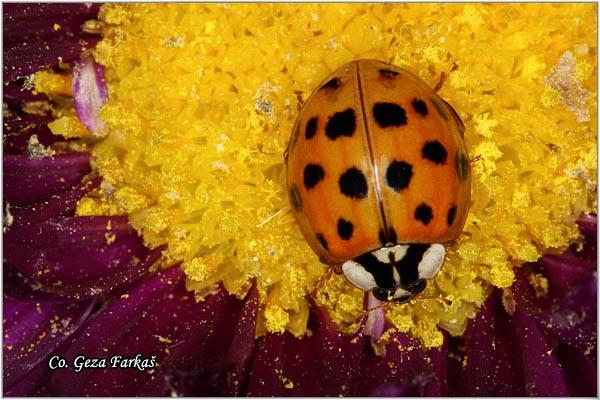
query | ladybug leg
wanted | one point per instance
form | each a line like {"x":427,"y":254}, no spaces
{"x":476,"y":158}
{"x":300,"y":97}
{"x":468,"y":235}
{"x":330,"y":270}
{"x":443,"y":77}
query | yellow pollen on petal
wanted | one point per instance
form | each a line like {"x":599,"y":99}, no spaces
{"x":539,"y":283}
{"x":68,"y":126}
{"x":276,"y":319}
{"x":203,"y":98}
{"x":51,"y":82}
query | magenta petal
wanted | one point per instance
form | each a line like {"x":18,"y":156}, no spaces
{"x":15,"y":95}
{"x":493,"y":362}
{"x":32,"y":331}
{"x":204,"y":345}
{"x":543,"y":373}
{"x":19,"y":129}
{"x":30,"y":181}
{"x":200,"y":347}
{"x":404,"y":370}
{"x":32,"y":384}
{"x":62,"y":205}
{"x":588,"y":223}
{"x":15,"y":286}
{"x":54,"y":254}
{"x":89,"y":92}
{"x":32,"y":42}
{"x":320,"y":365}
{"x":573,"y":320}
{"x":213,"y":358}
{"x":580,"y":373}
{"x":437,"y":359}
{"x":106,"y":334}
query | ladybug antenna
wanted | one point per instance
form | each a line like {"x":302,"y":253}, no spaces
{"x":366,"y":311}
{"x":443,"y":77}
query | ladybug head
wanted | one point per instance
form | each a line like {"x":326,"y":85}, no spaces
{"x":396,"y":273}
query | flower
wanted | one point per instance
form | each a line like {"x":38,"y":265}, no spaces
{"x":119,"y":302}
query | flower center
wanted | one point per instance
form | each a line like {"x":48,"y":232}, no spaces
{"x":202,"y":99}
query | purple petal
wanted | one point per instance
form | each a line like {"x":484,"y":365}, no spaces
{"x":32,"y":331}
{"x":15,"y":94}
{"x":573,"y":320}
{"x":319,"y":365}
{"x":15,"y":285}
{"x":542,"y":372}
{"x":404,"y":369}
{"x":117,"y":324}
{"x":588,"y":223}
{"x":437,"y":359}
{"x":213,"y":358}
{"x":38,"y":36}
{"x":89,"y":92}
{"x":19,"y":128}
{"x":580,"y":373}
{"x":33,"y":383}
{"x":202,"y":344}
{"x":55,"y":255}
{"x":493,"y":363}
{"x":62,"y":205}
{"x":456,"y":372}
{"x":30,"y":181}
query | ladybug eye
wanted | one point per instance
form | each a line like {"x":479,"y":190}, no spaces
{"x":418,"y":287}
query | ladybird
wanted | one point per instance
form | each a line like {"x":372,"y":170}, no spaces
{"x":378,"y":177}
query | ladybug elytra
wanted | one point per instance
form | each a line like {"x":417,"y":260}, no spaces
{"x":378,"y":177}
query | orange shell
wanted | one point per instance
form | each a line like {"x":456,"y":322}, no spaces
{"x":376,"y":157}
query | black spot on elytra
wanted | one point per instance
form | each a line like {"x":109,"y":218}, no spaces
{"x":420,"y":106}
{"x":462,"y":166}
{"x":434,"y":151}
{"x":345,"y":229}
{"x":389,"y":114}
{"x":353,"y":184}
{"x":295,"y":197}
{"x":451,"y":215}
{"x":386,"y":239}
{"x":398,"y":175}
{"x":388,"y":74}
{"x":313,"y":174}
{"x":331,"y":84}
{"x":311,"y":128}
{"x":341,"y":123}
{"x":322,"y":240}
{"x":423,"y":213}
